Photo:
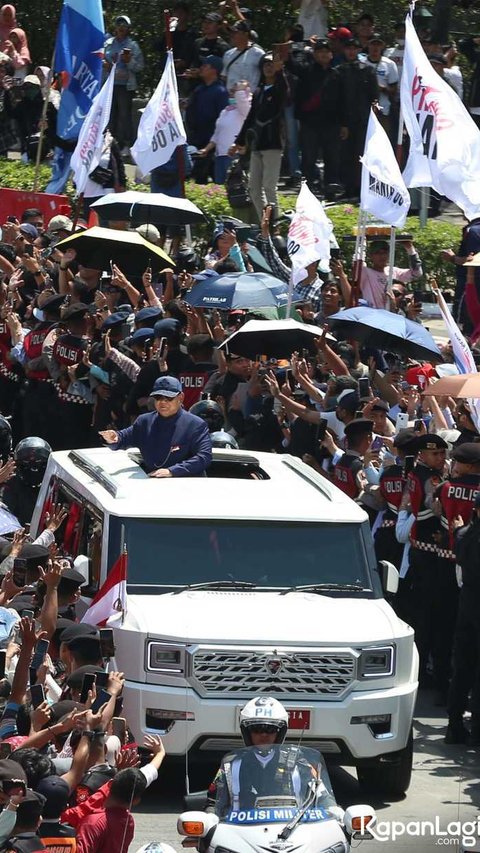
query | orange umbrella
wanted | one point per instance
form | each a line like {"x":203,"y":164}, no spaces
{"x":463,"y":385}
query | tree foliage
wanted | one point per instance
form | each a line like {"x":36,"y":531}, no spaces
{"x":40,"y":20}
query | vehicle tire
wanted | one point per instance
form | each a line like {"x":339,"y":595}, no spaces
{"x":389,"y":779}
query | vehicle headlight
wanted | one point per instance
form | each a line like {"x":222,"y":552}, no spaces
{"x":165,"y":657}
{"x":377,"y":662}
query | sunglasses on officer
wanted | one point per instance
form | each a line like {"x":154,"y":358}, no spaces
{"x":262,"y":728}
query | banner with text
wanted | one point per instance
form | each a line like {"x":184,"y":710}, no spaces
{"x":383,"y":191}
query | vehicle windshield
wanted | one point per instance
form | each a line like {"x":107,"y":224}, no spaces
{"x":175,"y":554}
{"x":269,"y":784}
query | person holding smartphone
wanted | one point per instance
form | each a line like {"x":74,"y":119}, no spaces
{"x":125,"y":52}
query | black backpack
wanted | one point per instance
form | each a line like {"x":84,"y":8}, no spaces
{"x":236,"y":185}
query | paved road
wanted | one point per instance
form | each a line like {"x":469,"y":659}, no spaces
{"x":445,"y":782}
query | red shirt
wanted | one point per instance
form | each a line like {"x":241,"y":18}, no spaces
{"x":109,"y":831}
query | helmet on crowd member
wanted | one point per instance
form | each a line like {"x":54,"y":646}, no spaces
{"x":210,"y":412}
{"x":263,"y":711}
{"x":5,"y":439}
{"x":31,"y":457}
{"x":223,"y":439}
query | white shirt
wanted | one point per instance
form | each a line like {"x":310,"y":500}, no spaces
{"x":229,"y":122}
{"x":246,"y":67}
{"x":387,"y":74}
{"x":313,"y":17}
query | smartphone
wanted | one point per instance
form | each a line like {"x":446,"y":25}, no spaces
{"x":377,"y":443}
{"x":409,"y":465}
{"x":102,"y":698}
{"x":106,"y":642}
{"x":19,"y":571}
{"x":364,"y":387}
{"x":27,"y":614}
{"x":401,"y":422}
{"x":205,"y":395}
{"x":321,"y":429}
{"x":13,"y":788}
{"x":3,"y":658}
{"x":161,"y":348}
{"x":41,"y":649}
{"x":119,"y":728}
{"x":418,"y":296}
{"x":418,"y":424}
{"x":335,"y":254}
{"x":305,"y":353}
{"x":87,"y":684}
{"x":118,"y":706}
{"x":37,"y":694}
{"x":101,"y":679}
{"x":358,"y":414}
{"x":12,"y":219}
{"x":32,"y":676}
{"x":28,"y":250}
{"x":5,"y":750}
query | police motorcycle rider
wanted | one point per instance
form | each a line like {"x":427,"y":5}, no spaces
{"x":21,"y":492}
{"x":210,"y":412}
{"x":263,"y":723}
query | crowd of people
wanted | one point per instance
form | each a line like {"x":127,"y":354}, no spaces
{"x":280,"y":107}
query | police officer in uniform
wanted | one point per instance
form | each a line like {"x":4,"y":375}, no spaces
{"x":263,"y":722}
{"x":347,"y":472}
{"x":466,"y":650}
{"x":20,"y":493}
{"x":391,"y":487}
{"x":455,"y":498}
{"x":422,"y":576}
{"x":74,"y":410}
{"x":40,"y":400}
{"x":11,"y":374}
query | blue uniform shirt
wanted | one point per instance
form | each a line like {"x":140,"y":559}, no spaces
{"x":181,"y":443}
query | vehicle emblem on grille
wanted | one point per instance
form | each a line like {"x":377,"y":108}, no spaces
{"x":274,"y":665}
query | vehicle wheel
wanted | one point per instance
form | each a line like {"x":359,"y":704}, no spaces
{"x":392,"y":779}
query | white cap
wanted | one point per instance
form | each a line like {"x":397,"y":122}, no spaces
{"x":149,"y":232}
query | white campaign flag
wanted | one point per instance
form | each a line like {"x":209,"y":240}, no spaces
{"x":161,"y":128}
{"x":462,"y":353}
{"x":88,"y":149}
{"x":444,"y":140}
{"x":308,"y":235}
{"x":383,"y":192}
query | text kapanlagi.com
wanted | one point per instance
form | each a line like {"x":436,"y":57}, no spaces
{"x":455,"y":831}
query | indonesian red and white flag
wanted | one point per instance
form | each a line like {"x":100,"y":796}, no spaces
{"x":111,"y":598}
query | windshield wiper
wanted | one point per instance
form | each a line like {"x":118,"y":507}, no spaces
{"x":326,"y":587}
{"x":220,"y":584}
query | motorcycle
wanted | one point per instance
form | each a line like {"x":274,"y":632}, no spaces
{"x":288,"y":807}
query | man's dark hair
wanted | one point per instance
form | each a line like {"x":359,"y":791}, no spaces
{"x":228,"y":265}
{"x":29,"y":814}
{"x":127,"y":786}
{"x":200,"y":347}
{"x":36,"y":765}
{"x":342,"y":383}
{"x":8,"y":252}
{"x":85,"y":650}
{"x":30,"y":213}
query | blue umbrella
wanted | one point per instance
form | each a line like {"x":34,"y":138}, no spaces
{"x":385,"y":330}
{"x":239,"y":290}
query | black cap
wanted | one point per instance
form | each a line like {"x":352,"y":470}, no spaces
{"x":116,"y":319}
{"x":61,"y":709}
{"x":351,"y":42}
{"x":319,"y":44}
{"x":75,"y":312}
{"x":348,"y":400}
{"x":79,"y":630}
{"x":241,"y":27}
{"x":214,"y":17}
{"x":360,"y":426}
{"x":71,"y":574}
{"x":469,"y":453}
{"x":56,"y":793}
{"x":30,"y":551}
{"x":75,"y":679}
{"x":376,"y":37}
{"x":431,"y":441}
{"x":12,"y":771}
{"x":406,"y":440}
{"x":53,"y":303}
{"x":381,"y":406}
{"x":151,"y":313}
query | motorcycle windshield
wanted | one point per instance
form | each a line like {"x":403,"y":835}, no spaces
{"x":269,"y":784}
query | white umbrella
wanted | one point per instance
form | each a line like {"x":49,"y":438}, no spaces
{"x":273,"y":338}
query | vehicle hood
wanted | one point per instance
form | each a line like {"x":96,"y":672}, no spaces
{"x":245,"y":617}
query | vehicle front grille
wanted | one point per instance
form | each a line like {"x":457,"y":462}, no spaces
{"x":300,"y":674}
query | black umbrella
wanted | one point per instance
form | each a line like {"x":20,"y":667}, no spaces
{"x":386,"y":331}
{"x":154,"y":208}
{"x":273,"y":338}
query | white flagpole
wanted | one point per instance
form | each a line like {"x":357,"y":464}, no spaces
{"x":391,"y":261}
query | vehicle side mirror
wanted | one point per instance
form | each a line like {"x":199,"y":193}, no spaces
{"x":196,"y":802}
{"x":389,"y":576}
{"x":358,"y":820}
{"x":82,"y":565}
{"x":196,"y":824}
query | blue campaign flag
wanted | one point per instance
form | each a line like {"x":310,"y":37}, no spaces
{"x":78,"y":54}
